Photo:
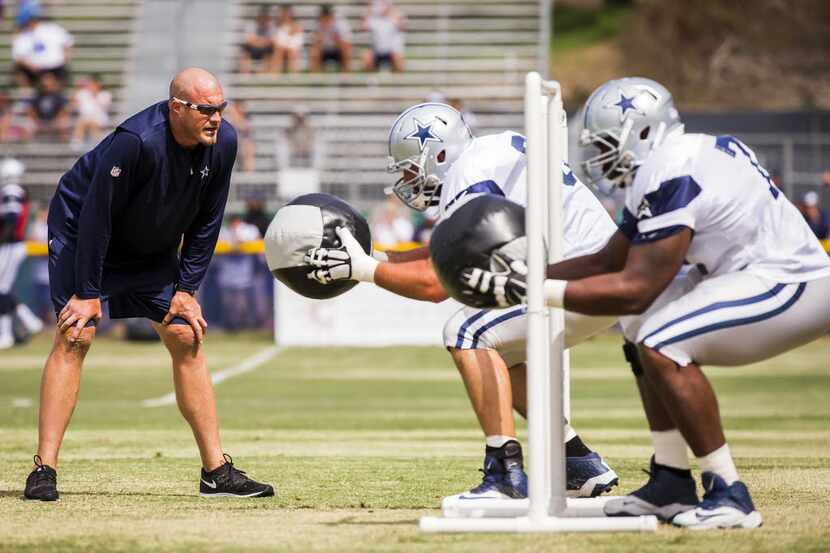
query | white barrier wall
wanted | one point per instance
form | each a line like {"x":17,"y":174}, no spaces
{"x":366,"y":315}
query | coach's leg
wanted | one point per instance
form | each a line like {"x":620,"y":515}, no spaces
{"x":59,"y":387}
{"x":487,"y":380}
{"x":194,"y":390}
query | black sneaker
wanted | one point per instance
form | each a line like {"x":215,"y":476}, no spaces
{"x":229,"y":481}
{"x":42,"y":483}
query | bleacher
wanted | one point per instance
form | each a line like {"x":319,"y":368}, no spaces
{"x":103,"y":32}
{"x":475,"y":50}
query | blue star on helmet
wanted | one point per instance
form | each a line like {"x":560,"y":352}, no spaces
{"x":423,"y":134}
{"x":625,"y":104}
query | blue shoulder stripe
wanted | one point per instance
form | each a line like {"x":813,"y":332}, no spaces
{"x":483,"y":187}
{"x":672,"y":194}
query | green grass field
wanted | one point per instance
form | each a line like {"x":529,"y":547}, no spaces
{"x":362,"y":442}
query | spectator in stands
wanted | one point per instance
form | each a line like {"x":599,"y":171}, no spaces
{"x":288,"y":42}
{"x":423,"y":231}
{"x":39,"y":48}
{"x":38,"y":232}
{"x":469,"y":117}
{"x":386,"y":24}
{"x":259,"y":43}
{"x":390,"y":225}
{"x":235,"y":114}
{"x":332,"y":41}
{"x":49,"y":109}
{"x":5,"y":116}
{"x":92,"y":104}
{"x":236,"y":275}
{"x":815,"y":216}
{"x":255,"y":213}
{"x":299,"y":137}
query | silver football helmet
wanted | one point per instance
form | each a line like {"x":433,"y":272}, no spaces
{"x":424,"y":142}
{"x":623,"y":121}
{"x":11,"y":171}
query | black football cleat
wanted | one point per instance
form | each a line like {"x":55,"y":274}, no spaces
{"x":229,"y":481}
{"x":42,"y":483}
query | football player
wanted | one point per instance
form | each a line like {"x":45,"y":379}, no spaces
{"x":761,"y":287}
{"x":440,"y":163}
{"x":14,"y":209}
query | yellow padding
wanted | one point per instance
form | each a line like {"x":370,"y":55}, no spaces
{"x":254,"y":247}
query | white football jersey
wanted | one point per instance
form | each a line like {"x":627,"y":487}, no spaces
{"x":497,"y":164}
{"x":741,"y":221}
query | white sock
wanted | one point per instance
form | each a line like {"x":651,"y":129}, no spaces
{"x":569,"y":432}
{"x":720,"y":462}
{"x":670,"y":449}
{"x":6,"y":336}
{"x":499,"y":440}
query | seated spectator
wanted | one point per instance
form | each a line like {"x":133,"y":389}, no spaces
{"x":236,"y":116}
{"x":259,"y":43}
{"x":39,"y":48}
{"x":390,"y":224}
{"x":5,"y":116}
{"x":332,"y":41}
{"x":48,"y":110}
{"x":386,"y":25}
{"x":92,"y":103}
{"x":299,"y":138}
{"x":816,"y":217}
{"x":288,"y":42}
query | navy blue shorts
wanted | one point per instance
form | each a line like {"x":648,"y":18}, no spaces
{"x":146,"y":293}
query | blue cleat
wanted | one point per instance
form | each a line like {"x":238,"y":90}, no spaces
{"x":722,"y":507}
{"x":667,"y":493}
{"x":504,"y":478}
{"x":588,"y":476}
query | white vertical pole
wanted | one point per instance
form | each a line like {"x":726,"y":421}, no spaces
{"x":557,"y":326}
{"x":537,"y":335}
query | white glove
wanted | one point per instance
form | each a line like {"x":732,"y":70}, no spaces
{"x":346,"y":262}
{"x":506,"y":286}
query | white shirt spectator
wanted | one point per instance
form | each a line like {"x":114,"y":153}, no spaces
{"x":42,"y":47}
{"x":338,"y":30}
{"x":94,"y":106}
{"x":289,"y":37}
{"x":386,"y":36}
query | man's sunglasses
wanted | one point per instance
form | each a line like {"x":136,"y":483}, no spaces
{"x":204,"y":109}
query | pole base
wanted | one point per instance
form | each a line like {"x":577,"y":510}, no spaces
{"x":455,"y":507}
{"x":526,"y":524}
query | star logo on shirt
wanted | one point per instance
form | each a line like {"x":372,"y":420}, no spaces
{"x":115,"y":172}
{"x":204,"y":172}
{"x":644,"y":211}
{"x":423,"y":134}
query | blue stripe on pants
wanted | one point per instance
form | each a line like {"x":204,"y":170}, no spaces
{"x":720,"y":305}
{"x":459,"y":343}
{"x":737,"y":322}
{"x":500,"y":319}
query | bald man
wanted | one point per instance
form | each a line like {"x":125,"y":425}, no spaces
{"x":116,"y":222}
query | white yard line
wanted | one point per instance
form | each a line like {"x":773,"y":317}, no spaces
{"x":247,"y":365}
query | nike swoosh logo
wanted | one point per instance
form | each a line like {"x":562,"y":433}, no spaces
{"x":211,"y":485}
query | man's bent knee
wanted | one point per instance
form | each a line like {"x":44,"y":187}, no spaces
{"x":66,"y":342}
{"x":177,"y":337}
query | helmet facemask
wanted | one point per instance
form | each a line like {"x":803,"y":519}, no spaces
{"x":415,"y":188}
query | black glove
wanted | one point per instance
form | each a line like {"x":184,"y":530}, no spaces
{"x":506,"y":285}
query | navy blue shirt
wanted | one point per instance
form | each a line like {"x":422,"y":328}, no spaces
{"x":128,"y":204}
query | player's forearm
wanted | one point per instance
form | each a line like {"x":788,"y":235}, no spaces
{"x":408,"y":255}
{"x":414,"y":279}
{"x":607,"y":294}
{"x":578,"y":267}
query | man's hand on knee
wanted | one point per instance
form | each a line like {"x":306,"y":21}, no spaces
{"x":76,"y":314}
{"x":185,"y":306}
